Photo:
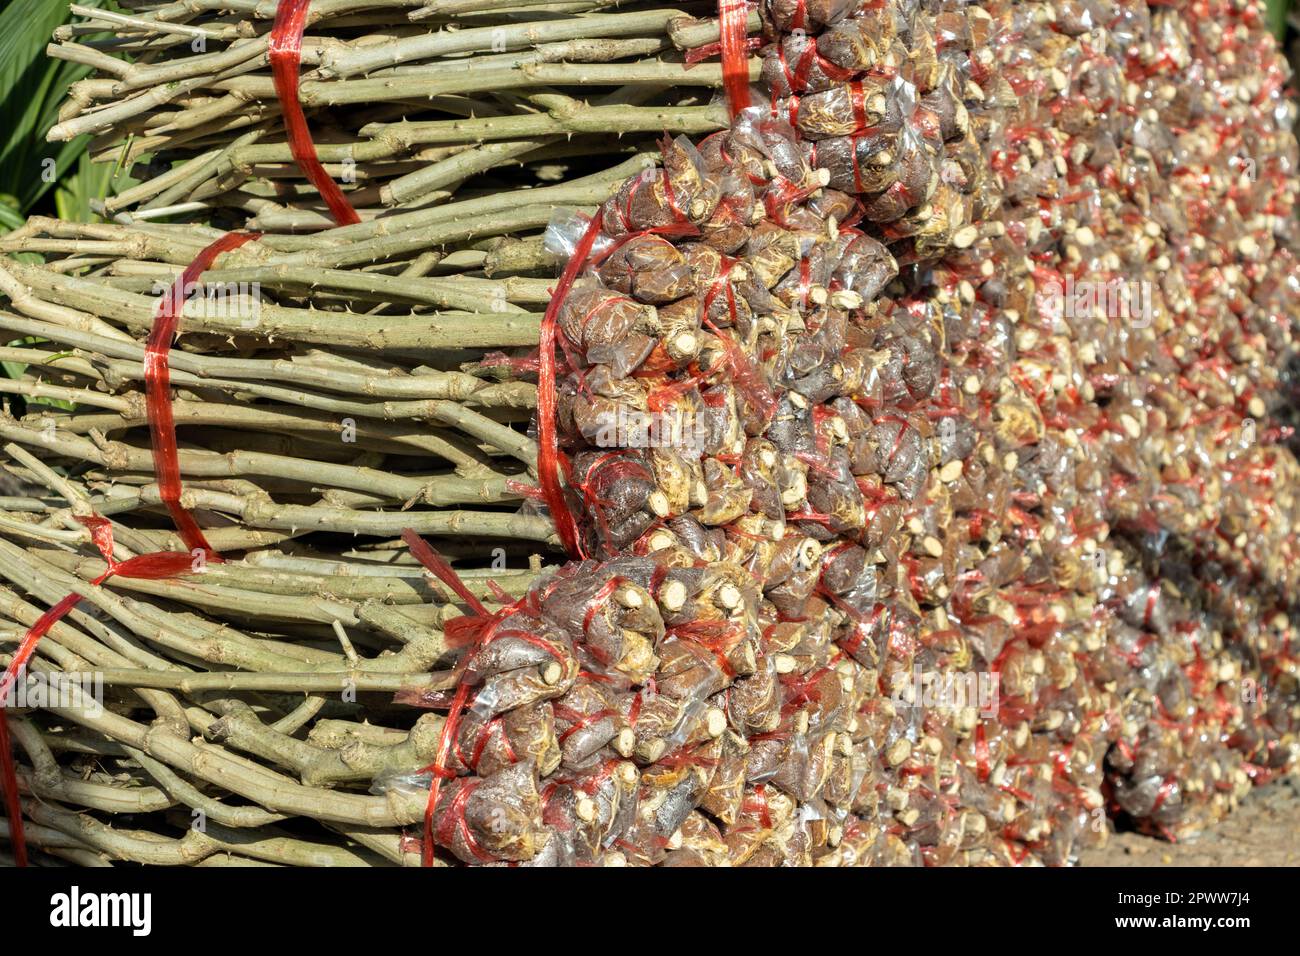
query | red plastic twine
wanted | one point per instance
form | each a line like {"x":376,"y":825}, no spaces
{"x":8,"y":774}
{"x":548,"y":455}
{"x":163,"y":564}
{"x":733,"y":16}
{"x":436,"y":564}
{"x":286,"y":57}
{"x":484,"y":624}
{"x":158,"y":399}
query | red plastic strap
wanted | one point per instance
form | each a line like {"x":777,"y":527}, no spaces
{"x":798,"y":79}
{"x":158,"y":399}
{"x":903,"y":425}
{"x":578,"y":721}
{"x":791,"y":111}
{"x":101,"y":533}
{"x":858,"y":99}
{"x":981,"y":752}
{"x":437,"y":565}
{"x":857,"y":173}
{"x":800,"y":18}
{"x":27,"y":647}
{"x":505,"y":742}
{"x":480,"y":744}
{"x":455,"y":817}
{"x":286,"y":57}
{"x":13,"y":806}
{"x":746,"y":376}
{"x":862,"y":622}
{"x":528,"y":637}
{"x":733,"y":30}
{"x":634,"y":708}
{"x":802,"y":690}
{"x":699,"y":53}
{"x":548,"y":455}
{"x":484,"y":629}
{"x":1167,"y":787}
{"x":790,"y":78}
{"x":449,"y":730}
{"x":591,"y":313}
{"x":720,"y":282}
{"x":781,"y":195}
{"x":669,"y":193}
{"x":717,"y":638}
{"x":759,"y":803}
{"x":8,"y":773}
{"x":599,"y":598}
{"x":153,"y":567}
{"x":833,"y":555}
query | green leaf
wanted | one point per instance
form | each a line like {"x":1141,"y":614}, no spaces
{"x":16,"y":369}
{"x":10,"y":216}
{"x":34,"y":84}
{"x":1277,"y":11}
{"x":84,"y":182}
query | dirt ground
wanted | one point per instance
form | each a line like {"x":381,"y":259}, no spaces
{"x":1265,"y":831}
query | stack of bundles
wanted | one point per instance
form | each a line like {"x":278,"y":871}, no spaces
{"x":905,"y":538}
{"x":884,"y":346}
{"x":406,"y":99}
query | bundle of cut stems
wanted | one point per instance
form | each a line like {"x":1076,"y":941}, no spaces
{"x":407,"y":102}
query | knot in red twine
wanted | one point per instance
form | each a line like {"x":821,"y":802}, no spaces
{"x":157,"y":566}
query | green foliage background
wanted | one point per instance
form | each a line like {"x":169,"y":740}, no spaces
{"x":1277,"y":13}
{"x":36,"y":176}
{"x":31,"y":88}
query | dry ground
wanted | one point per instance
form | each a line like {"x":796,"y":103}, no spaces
{"x":1265,"y":831}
